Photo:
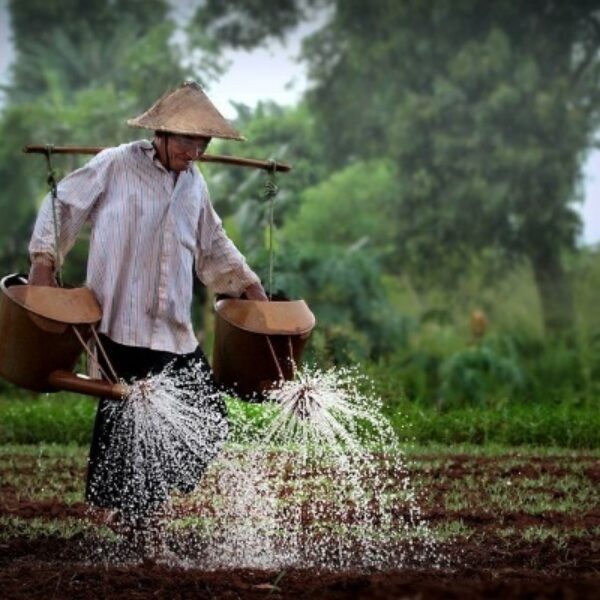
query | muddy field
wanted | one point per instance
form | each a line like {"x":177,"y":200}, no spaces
{"x":510,"y":525}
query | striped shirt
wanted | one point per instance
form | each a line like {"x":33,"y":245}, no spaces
{"x":149,"y":232}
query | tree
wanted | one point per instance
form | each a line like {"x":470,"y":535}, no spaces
{"x":248,"y":23}
{"x":332,"y":253}
{"x":349,"y":209}
{"x":272,"y":132}
{"x":81,"y":69}
{"x":486,"y":108}
{"x":86,"y":42}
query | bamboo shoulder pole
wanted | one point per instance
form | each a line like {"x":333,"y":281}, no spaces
{"x":239,"y":161}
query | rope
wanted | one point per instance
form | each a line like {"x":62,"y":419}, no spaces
{"x":270,"y":192}
{"x":51,"y":180}
{"x":291,"y":351}
{"x":275,"y":359}
{"x":91,"y":356}
{"x":104,"y":354}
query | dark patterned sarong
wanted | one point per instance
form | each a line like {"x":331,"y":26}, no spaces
{"x":110,"y":471}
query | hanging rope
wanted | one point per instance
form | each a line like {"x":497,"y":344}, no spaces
{"x":51,"y":180}
{"x":92,"y":358}
{"x":270,"y":192}
{"x":100,"y":345}
{"x":52,"y":185}
{"x":274,"y":357}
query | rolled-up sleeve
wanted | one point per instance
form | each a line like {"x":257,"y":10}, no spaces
{"x":219,"y":264}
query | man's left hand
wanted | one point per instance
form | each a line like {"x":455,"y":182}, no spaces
{"x":256,"y":292}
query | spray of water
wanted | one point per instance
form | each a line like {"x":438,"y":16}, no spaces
{"x":320,"y":482}
{"x":161,"y":439}
{"x":323,"y":485}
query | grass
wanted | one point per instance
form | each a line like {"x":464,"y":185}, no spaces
{"x":494,"y":449}
{"x":562,"y":425}
{"x":68,"y":418}
{"x":65,"y":527}
{"x":504,"y":489}
{"x":69,"y":527}
{"x":520,"y":497}
{"x":452,"y":530}
{"x":471,"y":479}
{"x":49,"y":418}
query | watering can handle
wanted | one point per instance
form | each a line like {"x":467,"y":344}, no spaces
{"x":71,"y":382}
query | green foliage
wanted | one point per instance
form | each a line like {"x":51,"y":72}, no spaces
{"x":562,"y":425}
{"x":469,"y":377}
{"x":343,"y":288}
{"x":52,"y":419}
{"x":440,"y":367}
{"x":81,"y":69}
{"x":65,"y":418}
{"x":486,"y":110}
{"x":439,"y":361}
{"x":248,"y":421}
{"x":273,"y":132}
{"x":351,"y":209}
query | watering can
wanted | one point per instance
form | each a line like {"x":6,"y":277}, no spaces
{"x":43,"y":331}
{"x":258,"y":344}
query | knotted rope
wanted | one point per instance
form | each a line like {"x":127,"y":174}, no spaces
{"x":270,"y":191}
{"x":51,"y":180}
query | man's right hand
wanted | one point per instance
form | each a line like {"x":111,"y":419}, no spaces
{"x":42,"y":274}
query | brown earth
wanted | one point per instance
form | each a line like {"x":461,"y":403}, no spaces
{"x":487,"y":562}
{"x":46,"y":568}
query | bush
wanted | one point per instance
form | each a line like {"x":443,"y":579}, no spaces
{"x":563,"y":425}
{"x":67,"y":418}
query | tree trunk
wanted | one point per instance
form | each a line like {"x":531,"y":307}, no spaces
{"x":555,"y":291}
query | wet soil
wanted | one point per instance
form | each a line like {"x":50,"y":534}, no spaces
{"x":46,"y":568}
{"x":495,"y":557}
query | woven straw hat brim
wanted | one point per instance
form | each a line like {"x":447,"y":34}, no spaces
{"x":186,"y":111}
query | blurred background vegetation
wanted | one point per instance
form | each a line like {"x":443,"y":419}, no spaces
{"x":430,"y":220}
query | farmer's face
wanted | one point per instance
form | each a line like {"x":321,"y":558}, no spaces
{"x":184,"y":149}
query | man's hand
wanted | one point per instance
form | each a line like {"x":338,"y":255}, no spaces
{"x":256,"y":292}
{"x":42,"y":273}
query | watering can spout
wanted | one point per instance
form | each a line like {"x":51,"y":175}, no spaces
{"x":74,"y":382}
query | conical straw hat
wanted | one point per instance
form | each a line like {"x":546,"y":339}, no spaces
{"x":187,"y":111}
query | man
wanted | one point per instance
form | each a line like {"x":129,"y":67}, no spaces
{"x":152,"y":226}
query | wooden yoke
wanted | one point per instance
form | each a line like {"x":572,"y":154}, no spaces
{"x":239,"y":161}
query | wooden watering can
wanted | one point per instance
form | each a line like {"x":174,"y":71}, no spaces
{"x":258,"y":343}
{"x":43,"y":331}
